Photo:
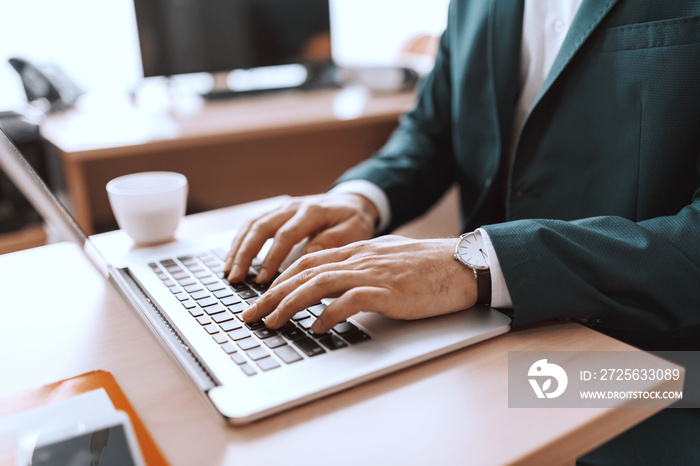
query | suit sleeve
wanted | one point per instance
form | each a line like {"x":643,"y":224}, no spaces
{"x":636,"y":279}
{"x":416,"y":167}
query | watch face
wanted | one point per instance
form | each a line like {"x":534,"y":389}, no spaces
{"x":471,"y":251}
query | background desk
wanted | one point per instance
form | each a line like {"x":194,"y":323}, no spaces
{"x":231,"y":151}
{"x":452,"y":410}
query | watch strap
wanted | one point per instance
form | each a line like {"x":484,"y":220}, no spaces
{"x":483,"y":286}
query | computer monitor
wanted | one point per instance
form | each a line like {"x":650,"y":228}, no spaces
{"x":194,"y":36}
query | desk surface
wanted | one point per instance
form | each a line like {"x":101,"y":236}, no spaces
{"x":451,"y":409}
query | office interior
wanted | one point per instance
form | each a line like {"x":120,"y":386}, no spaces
{"x":282,"y":127}
{"x":93,"y":53}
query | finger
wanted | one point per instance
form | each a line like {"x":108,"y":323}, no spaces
{"x":296,"y":229}
{"x":328,"y":259}
{"x":253,"y":240}
{"x":235,"y":244}
{"x":325,"y":285}
{"x":366,"y":298}
{"x":280,"y":305}
{"x":334,"y":237}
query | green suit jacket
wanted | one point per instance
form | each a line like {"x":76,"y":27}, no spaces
{"x":597,"y":213}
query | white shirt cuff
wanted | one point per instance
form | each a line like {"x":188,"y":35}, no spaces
{"x":373,"y":193}
{"x":500,"y":297}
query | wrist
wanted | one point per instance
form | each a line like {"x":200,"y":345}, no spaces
{"x":366,"y":208}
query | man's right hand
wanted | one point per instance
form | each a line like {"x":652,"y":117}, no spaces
{"x":329,"y":220}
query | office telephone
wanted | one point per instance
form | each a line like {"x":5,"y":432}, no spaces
{"x":46,"y":82}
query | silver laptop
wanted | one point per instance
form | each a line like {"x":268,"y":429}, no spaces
{"x":246,"y":371}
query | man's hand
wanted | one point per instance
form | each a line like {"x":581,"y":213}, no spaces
{"x":394,"y":276}
{"x":328,"y":220}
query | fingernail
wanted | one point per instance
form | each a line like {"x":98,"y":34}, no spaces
{"x":235,"y":271}
{"x":248,"y":313}
{"x":271,"y":320}
{"x":316,"y":327}
{"x":262,"y":275}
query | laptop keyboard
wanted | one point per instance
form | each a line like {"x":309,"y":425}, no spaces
{"x":217,"y":305}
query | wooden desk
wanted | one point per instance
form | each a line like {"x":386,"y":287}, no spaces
{"x":232,"y":151}
{"x":452,"y":410}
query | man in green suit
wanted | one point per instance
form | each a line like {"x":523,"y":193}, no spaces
{"x":572,"y":129}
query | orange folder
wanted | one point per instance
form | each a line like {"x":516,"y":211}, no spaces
{"x":67,"y":388}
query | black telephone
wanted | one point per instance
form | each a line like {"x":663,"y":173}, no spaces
{"x":46,"y":82}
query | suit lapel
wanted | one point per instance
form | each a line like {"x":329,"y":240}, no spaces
{"x":589,"y":16}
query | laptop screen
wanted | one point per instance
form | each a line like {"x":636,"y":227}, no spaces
{"x":29,"y":183}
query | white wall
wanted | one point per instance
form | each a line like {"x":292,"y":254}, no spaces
{"x":95,"y":42}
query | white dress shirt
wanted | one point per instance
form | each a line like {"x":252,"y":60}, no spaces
{"x":545,"y":25}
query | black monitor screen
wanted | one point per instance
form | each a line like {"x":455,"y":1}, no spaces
{"x":191,"y":36}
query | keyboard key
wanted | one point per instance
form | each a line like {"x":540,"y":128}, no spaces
{"x":215,"y":309}
{"x":258,"y":353}
{"x":211,"y":329}
{"x":293,"y":334}
{"x":207,"y":302}
{"x":344,"y":327}
{"x":306,"y":323}
{"x":265,"y":333}
{"x":196,"y":312}
{"x":186,"y":281}
{"x":268,"y":364}
{"x":203,"y":320}
{"x":238,"y":358}
{"x":300,"y":315}
{"x":256,"y":325}
{"x":181,"y":296}
{"x":308,"y":346}
{"x":261,"y":287}
{"x":317,"y":309}
{"x":252,"y":300}
{"x":202,"y":275}
{"x":189,"y":304}
{"x":240,"y":286}
{"x":275,"y":341}
{"x":332,"y":342}
{"x":230,"y":300}
{"x":220,"y":338}
{"x":248,"y":369}
{"x":193,"y":288}
{"x":222,"y":293}
{"x":169,"y":283}
{"x":288,"y":354}
{"x":358,"y":336}
{"x":222,"y":317}
{"x":230,"y":325}
{"x":200,"y":295}
{"x":245,"y":294}
{"x":238,"y":308}
{"x":214,"y":284}
{"x":287,"y":327}
{"x":229,"y":348}
{"x":247,"y":343}
{"x":239,"y":334}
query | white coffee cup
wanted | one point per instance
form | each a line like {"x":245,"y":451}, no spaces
{"x":148,"y":205}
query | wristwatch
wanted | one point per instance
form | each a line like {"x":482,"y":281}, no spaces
{"x":471,"y":252}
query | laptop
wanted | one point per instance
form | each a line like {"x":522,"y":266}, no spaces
{"x":246,"y":371}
